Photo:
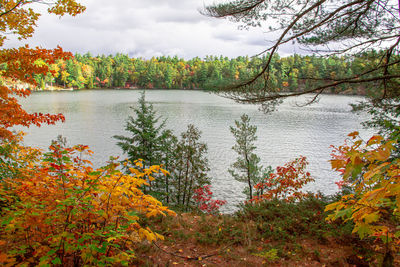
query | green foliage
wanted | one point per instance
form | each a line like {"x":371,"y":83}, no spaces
{"x":288,"y":73}
{"x":145,"y":140}
{"x":145,"y":134}
{"x":270,"y":255}
{"x":352,"y":27}
{"x":168,"y":155}
{"x":189,"y":171}
{"x":185,"y":159}
{"x":281,"y":220}
{"x":246,"y":167}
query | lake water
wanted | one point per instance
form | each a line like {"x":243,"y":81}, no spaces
{"x":94,"y":116}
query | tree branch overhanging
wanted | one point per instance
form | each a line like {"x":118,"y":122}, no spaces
{"x":351,"y":25}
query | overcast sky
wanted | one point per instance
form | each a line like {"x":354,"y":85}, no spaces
{"x":146,"y":28}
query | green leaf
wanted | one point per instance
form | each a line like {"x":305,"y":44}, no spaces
{"x":102,"y":249}
{"x":132,"y":213}
{"x":7,"y":221}
{"x":397,"y":234}
{"x":346,"y":213}
{"x":56,"y":261}
{"x":43,"y":258}
{"x":51,"y":252}
{"x":362,"y":230}
{"x":94,"y":173}
{"x":66,"y":159}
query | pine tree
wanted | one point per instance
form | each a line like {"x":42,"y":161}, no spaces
{"x":146,"y":137}
{"x":185,"y":160}
{"x":168,"y":146}
{"x":246,"y":167}
{"x":190,"y":168}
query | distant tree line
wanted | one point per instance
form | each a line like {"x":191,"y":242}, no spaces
{"x":290,"y":73}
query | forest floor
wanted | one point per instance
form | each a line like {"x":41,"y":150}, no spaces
{"x":220,"y":240}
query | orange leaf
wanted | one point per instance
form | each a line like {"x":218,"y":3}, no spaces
{"x":376,"y":139}
{"x":353,"y":134}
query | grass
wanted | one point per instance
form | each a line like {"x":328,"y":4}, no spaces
{"x":279,"y":220}
{"x":273,"y":233}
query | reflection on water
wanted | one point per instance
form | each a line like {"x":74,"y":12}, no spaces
{"x":94,"y":116}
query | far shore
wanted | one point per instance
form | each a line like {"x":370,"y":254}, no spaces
{"x":56,"y":88}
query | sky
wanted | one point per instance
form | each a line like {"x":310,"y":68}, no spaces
{"x":147,"y":28}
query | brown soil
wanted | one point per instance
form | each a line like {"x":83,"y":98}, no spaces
{"x":185,"y":244}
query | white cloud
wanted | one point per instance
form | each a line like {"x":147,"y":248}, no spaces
{"x":146,"y":28}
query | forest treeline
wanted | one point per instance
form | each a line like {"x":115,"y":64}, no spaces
{"x":292,"y":73}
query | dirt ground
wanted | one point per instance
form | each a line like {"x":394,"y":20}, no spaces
{"x":186,"y":244}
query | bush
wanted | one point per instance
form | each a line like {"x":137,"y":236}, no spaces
{"x":62,"y":212}
{"x":281,"y":220}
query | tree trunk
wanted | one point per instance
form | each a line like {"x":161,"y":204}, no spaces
{"x":249,"y":176}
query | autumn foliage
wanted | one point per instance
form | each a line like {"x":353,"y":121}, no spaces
{"x":18,"y":17}
{"x":374,"y":176}
{"x":59,"y":210}
{"x":19,"y":65}
{"x":285,"y":183}
{"x":205,"y":203}
{"x":55,"y":208}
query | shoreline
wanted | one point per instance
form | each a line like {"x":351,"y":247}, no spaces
{"x":57,"y":89}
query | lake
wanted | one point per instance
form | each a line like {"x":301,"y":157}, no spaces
{"x":94,"y":116}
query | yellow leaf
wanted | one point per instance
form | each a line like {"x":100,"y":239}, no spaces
{"x":139,"y":163}
{"x":337,"y":164}
{"x":147,"y":235}
{"x":376,"y":139}
{"x":370,"y":218}
{"x":382,"y":154}
{"x":377,"y":193}
{"x":160,"y":236}
{"x":369,"y":174}
{"x":152,"y":213}
{"x":394,"y":188}
{"x":331,"y":206}
{"x":111,"y":239}
{"x":165,"y":172}
{"x":134,"y":171}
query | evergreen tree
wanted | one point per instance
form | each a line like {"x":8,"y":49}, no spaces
{"x":190,"y":168}
{"x":185,"y":160}
{"x":246,"y":167}
{"x":146,"y":136}
{"x":168,"y":147}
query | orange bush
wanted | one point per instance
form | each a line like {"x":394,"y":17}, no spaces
{"x":59,"y":210}
{"x":285,"y":183}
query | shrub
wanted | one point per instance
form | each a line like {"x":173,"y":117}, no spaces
{"x":205,"y":203}
{"x":62,"y":211}
{"x":281,"y":220}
